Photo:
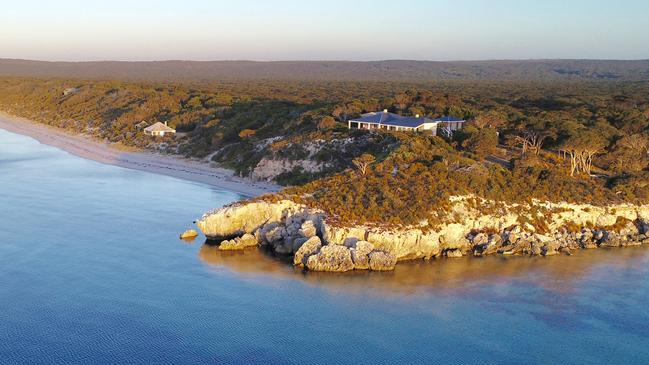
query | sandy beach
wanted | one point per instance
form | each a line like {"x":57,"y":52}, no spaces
{"x":90,"y":148}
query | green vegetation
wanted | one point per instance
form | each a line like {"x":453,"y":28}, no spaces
{"x":559,"y":141}
{"x":415,"y":182}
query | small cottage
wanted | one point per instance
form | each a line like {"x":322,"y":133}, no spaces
{"x":159,"y":130}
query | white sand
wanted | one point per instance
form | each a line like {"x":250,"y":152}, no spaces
{"x":90,"y":148}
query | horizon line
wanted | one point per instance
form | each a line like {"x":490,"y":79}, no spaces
{"x":325,"y":60}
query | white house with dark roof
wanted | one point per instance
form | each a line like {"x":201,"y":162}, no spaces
{"x":395,"y":122}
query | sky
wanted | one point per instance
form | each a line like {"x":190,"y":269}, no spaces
{"x":76,"y":30}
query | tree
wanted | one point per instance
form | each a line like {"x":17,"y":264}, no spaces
{"x":533,"y":134}
{"x":363,"y":161}
{"x":194,"y":102}
{"x":630,"y":153}
{"x":342,"y":112}
{"x":483,"y":142}
{"x":581,"y":148}
{"x":326,"y":123}
{"x":417,"y":110}
{"x":492,"y":119}
{"x":402,"y":100}
{"x":219,"y":100}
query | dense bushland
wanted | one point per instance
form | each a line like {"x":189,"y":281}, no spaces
{"x":568,"y":141}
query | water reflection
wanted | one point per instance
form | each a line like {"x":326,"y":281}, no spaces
{"x":557,"y":274}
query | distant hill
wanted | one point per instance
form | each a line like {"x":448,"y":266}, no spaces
{"x":398,"y":70}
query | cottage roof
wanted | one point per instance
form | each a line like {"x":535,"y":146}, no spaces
{"x":159,"y":127}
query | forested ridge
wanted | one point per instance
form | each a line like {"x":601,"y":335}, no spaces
{"x":559,"y":141}
{"x":386,"y":71}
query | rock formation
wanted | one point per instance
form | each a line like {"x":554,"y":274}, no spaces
{"x":543,"y":228}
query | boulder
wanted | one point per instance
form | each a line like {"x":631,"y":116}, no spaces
{"x":512,"y":237}
{"x":480,"y":238}
{"x":248,"y":240}
{"x":229,"y":245}
{"x":550,"y":248}
{"x":350,"y":242}
{"x":588,"y":245}
{"x":610,"y":239}
{"x":565,"y":251}
{"x":292,"y":230}
{"x":335,"y":258}
{"x":308,"y":248}
{"x":360,"y":254}
{"x":453,"y":237}
{"x":453,"y":253}
{"x":188,"y":234}
{"x":643,"y":226}
{"x":239,"y":243}
{"x":528,"y":227}
{"x":274,"y":234}
{"x":307,"y":229}
{"x":382,"y":261}
{"x":495,"y":239}
{"x":630,"y":229}
{"x":297,"y":243}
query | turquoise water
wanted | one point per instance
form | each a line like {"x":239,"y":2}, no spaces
{"x":92,"y":271}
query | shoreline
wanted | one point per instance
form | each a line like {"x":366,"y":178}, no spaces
{"x":181,"y":168}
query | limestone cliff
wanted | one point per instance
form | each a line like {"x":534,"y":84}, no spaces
{"x":472,"y":226}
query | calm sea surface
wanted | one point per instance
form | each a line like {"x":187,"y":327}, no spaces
{"x":92,"y":272}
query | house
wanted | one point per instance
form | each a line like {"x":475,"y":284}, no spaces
{"x":395,"y":122}
{"x":141,"y":125}
{"x":158,"y":129}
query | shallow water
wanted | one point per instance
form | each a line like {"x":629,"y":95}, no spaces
{"x":92,"y":271}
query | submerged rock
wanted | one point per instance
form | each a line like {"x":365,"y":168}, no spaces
{"x":331,"y":258}
{"x":190,"y":233}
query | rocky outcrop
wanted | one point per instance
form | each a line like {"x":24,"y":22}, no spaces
{"x":544,"y":229}
{"x":235,"y":220}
